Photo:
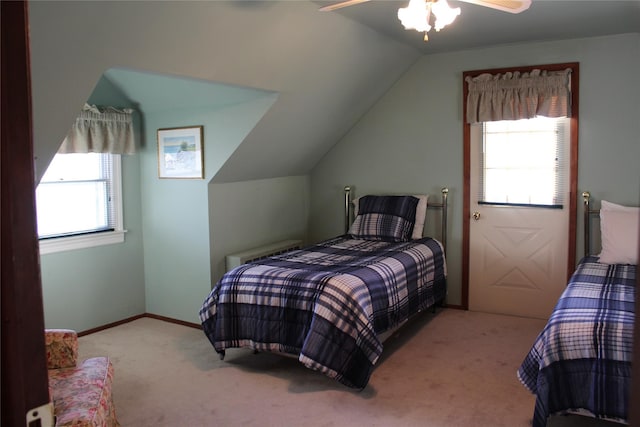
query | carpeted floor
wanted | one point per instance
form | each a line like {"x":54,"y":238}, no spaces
{"x":452,"y":368}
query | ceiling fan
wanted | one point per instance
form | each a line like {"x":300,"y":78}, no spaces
{"x":418,"y":13}
{"x":511,"y":6}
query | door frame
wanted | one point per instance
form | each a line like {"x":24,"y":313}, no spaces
{"x":573,"y":166}
{"x":24,"y":369}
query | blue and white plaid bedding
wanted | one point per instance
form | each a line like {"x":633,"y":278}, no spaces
{"x":581,"y":361}
{"x":327,"y":303}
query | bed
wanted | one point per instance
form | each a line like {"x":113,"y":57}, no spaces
{"x":581,"y":361}
{"x":331,"y":304}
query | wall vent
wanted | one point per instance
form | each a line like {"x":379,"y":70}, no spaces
{"x":265,"y":251}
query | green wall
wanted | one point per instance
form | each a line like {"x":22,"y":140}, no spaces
{"x":411,"y":140}
{"x":177,"y":222}
{"x":249,"y":214}
{"x":87,"y":288}
{"x":168,"y":272}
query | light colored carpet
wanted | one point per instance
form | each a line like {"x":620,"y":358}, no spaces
{"x":452,"y":368}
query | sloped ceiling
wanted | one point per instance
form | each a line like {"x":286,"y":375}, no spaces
{"x":477,"y":26}
{"x":327,"y":68}
{"x":155,"y":92}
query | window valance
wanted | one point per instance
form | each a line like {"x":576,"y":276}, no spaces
{"x":518,"y":95}
{"x":100,"y":130}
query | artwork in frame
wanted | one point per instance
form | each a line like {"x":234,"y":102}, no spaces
{"x":180,"y":152}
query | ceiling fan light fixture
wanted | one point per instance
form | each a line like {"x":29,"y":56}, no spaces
{"x":444,"y":14}
{"x":417,"y":14}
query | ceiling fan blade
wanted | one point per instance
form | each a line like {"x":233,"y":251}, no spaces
{"x":340,"y":5}
{"x":511,"y":6}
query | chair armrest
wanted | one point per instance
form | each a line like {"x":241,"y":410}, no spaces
{"x":62,"y":348}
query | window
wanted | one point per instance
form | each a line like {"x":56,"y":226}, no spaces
{"x":522,"y":162}
{"x":78,"y":202}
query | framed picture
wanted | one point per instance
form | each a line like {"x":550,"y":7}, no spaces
{"x":180,"y":152}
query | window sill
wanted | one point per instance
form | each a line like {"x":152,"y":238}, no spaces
{"x":63,"y":244}
{"x":520,"y":205}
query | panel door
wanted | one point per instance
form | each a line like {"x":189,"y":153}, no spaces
{"x":517,"y":255}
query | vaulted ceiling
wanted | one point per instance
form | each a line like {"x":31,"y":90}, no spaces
{"x":328,"y":69}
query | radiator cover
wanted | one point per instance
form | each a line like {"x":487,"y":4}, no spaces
{"x":234,"y":260}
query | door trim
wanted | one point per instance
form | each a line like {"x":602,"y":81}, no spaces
{"x":573,"y":166}
{"x":24,"y":368}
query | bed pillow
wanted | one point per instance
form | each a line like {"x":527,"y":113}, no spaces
{"x":421,"y":214}
{"x":388,"y":218}
{"x":609,"y":206}
{"x":619,"y":230}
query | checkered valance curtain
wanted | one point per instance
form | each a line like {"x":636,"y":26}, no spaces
{"x":516,"y":95}
{"x":100,"y":130}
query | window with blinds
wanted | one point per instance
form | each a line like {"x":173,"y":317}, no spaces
{"x":523,"y":162}
{"x":76,"y":195}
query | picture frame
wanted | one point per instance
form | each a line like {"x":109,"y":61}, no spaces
{"x":180,"y":152}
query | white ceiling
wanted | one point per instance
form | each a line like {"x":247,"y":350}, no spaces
{"x":479,"y":26}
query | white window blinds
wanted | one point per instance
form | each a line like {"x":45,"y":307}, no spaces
{"x":523,"y":162}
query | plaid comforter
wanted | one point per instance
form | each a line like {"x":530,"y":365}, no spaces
{"x":581,"y":361}
{"x":326,"y":303}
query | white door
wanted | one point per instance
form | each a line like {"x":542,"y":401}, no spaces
{"x":518,"y":248}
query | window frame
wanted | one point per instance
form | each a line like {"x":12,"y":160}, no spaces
{"x":51,"y":245}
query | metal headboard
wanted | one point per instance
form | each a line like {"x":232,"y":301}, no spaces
{"x":443,"y":205}
{"x":587,"y":212}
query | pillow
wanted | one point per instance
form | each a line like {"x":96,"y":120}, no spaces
{"x":608,"y":206}
{"x":421,"y":214}
{"x":388,"y":218}
{"x":619,"y":230}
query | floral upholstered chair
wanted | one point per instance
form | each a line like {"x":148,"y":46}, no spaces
{"x":81,"y":393}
